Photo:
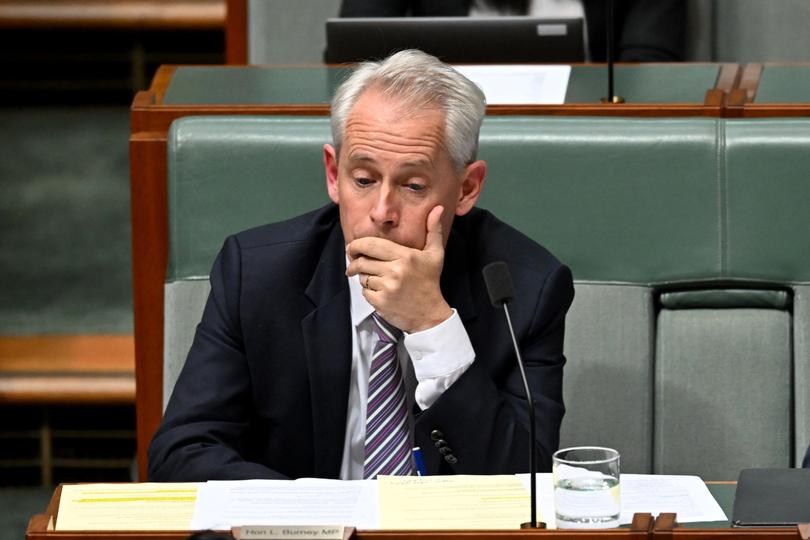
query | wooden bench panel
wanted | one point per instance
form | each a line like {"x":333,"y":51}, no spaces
{"x":107,"y":14}
{"x":74,"y":369}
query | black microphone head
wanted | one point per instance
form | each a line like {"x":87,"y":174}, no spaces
{"x":499,"y":283}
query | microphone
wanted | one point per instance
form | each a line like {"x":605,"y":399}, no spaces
{"x":610,"y":25}
{"x":501,"y":292}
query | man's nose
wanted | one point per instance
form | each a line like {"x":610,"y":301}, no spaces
{"x":385,"y":212}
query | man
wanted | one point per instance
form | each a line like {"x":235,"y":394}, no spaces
{"x":283,"y":377}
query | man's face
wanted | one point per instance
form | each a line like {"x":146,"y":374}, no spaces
{"x":393,"y":169}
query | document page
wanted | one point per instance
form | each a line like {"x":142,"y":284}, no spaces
{"x":307,"y":501}
{"x":688,"y":496}
{"x":656,"y":493}
{"x":126,"y":507}
{"x":452,"y":502}
{"x":520,"y":84}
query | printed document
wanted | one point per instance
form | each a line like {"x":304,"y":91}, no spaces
{"x":688,"y":496}
{"x":520,"y":84}
{"x":306,"y":501}
{"x":452,"y":502}
{"x":126,"y":507}
{"x":428,"y":502}
{"x":656,"y":493}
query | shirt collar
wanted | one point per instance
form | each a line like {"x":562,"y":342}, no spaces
{"x":358,"y":305}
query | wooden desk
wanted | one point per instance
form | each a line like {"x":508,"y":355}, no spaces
{"x":644,"y":527}
{"x":178,"y":91}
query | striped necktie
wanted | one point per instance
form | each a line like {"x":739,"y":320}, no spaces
{"x":387,"y":438}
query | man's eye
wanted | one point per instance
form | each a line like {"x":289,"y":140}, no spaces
{"x":415,"y":187}
{"x":363,"y":181}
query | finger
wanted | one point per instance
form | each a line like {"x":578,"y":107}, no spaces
{"x":372,"y":296}
{"x":364,"y":265}
{"x":374,"y":248}
{"x":434,"y":240}
{"x":373,"y":283}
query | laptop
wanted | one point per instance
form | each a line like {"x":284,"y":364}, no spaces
{"x":457,"y":40}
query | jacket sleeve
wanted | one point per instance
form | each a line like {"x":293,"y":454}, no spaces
{"x":480,"y":424}
{"x":204,"y":429}
{"x":653,"y":31}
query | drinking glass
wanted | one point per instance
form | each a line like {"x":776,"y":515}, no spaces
{"x":586,"y":487}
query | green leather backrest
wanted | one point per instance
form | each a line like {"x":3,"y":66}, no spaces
{"x":637,"y":201}
{"x":603,"y":194}
{"x":229,"y":174}
{"x":767,"y":199}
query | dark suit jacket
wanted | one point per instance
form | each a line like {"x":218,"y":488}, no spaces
{"x":646,"y":30}
{"x":806,"y":462}
{"x":264,"y":391}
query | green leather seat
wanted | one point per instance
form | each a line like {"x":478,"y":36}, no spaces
{"x":687,"y":343}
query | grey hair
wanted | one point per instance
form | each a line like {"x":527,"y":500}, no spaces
{"x":420,"y":81}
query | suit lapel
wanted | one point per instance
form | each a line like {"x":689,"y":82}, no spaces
{"x":456,"y":278}
{"x":328,"y":343}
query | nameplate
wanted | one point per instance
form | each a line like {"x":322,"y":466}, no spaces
{"x":291,"y":532}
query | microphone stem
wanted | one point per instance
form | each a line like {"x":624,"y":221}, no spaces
{"x":532,"y":450}
{"x":610,"y":51}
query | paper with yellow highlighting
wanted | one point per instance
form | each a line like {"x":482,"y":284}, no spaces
{"x":452,"y":502}
{"x":126,"y":507}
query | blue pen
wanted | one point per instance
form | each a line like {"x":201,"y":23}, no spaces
{"x":418,"y":462}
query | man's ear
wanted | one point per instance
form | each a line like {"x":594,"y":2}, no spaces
{"x":471,"y":185}
{"x":331,"y":166}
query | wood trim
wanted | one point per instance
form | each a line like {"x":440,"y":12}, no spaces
{"x":236,"y":32}
{"x":68,"y":389}
{"x":160,"y":119}
{"x":67,"y":369}
{"x":149,"y":209}
{"x":72,"y":354}
{"x":749,"y":82}
{"x":647,"y":110}
{"x":728,"y":77}
{"x":742,"y":96}
{"x":160,"y":82}
{"x":775,"y":110}
{"x":105,"y":14}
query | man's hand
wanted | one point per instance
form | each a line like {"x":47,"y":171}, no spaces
{"x":402,"y":283}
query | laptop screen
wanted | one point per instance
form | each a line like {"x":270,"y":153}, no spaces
{"x":457,"y":40}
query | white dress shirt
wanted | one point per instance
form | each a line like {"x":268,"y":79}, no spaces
{"x":438,"y":357}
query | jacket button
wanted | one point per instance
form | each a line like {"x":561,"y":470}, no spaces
{"x":451,"y":459}
{"x":436,"y":435}
{"x":445,"y":451}
{"x":440,"y":443}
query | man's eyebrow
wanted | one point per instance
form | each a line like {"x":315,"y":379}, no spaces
{"x":412,"y":164}
{"x":417,"y":163}
{"x":361,"y":157}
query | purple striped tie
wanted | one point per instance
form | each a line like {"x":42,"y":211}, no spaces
{"x":387,"y":439}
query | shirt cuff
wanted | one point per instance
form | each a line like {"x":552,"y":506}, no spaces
{"x":440,"y":355}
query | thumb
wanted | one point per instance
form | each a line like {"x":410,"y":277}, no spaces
{"x":435,"y":237}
